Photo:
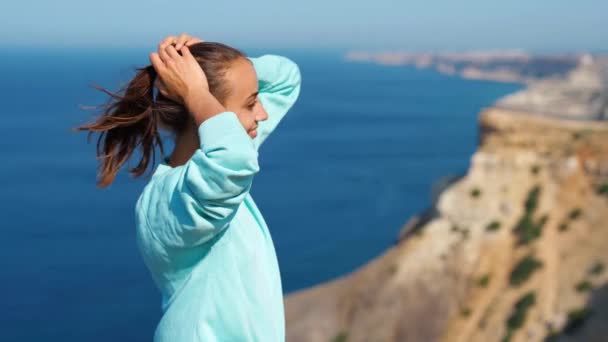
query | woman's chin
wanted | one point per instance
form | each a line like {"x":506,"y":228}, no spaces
{"x":253,"y":133}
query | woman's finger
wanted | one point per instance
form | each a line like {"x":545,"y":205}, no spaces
{"x":183,"y":38}
{"x":162,"y":52}
{"x":172,"y":52}
{"x":168,"y":41}
{"x":187,"y":55}
{"x":186,"y":52}
{"x":157,"y":63}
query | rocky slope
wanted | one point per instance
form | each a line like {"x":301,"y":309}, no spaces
{"x":512,"y":251}
{"x":581,"y":94}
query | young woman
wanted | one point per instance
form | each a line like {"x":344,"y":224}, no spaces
{"x":199,"y":231}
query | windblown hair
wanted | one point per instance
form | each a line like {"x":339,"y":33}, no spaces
{"x":131,"y":118}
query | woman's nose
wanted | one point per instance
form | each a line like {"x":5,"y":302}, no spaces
{"x":261,"y":115}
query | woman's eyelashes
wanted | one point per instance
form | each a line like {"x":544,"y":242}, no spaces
{"x":250,"y":107}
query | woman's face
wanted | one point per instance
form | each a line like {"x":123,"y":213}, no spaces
{"x":243,"y":99}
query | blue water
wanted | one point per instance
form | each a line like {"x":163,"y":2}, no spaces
{"x":350,"y":163}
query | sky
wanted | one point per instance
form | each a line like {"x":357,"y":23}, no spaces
{"x":430,"y":25}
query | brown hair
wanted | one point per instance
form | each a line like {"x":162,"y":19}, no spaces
{"x":133,"y":118}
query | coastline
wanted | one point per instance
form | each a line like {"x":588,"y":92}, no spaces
{"x":430,"y":273}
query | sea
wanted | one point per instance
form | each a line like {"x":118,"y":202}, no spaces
{"x":356,"y":156}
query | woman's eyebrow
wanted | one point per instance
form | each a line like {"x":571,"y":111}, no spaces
{"x":253,"y":95}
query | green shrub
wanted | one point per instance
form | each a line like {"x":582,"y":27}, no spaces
{"x":603,"y":189}
{"x":525,"y":223}
{"x":535,"y":169}
{"x":520,"y":310}
{"x":597,"y":268}
{"x":341,"y":337}
{"x":475,"y":192}
{"x":466,"y":312}
{"x":576,"y":319}
{"x":493,"y":226}
{"x":575,"y":213}
{"x":532,"y":200}
{"x":584,"y":286}
{"x":484,"y":281}
{"x":526,"y":229}
{"x":523,"y":270}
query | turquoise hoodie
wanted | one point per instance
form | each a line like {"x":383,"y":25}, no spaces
{"x":202,"y":236}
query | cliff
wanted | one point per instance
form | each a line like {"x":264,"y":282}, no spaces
{"x":512,"y":251}
{"x":581,"y":94}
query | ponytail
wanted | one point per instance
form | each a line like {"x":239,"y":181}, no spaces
{"x":128,"y":121}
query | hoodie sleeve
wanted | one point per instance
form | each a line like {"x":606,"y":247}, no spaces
{"x":279,"y":82}
{"x":203,"y":195}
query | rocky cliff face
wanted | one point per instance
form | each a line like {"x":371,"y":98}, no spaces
{"x":582,"y":94}
{"x":514,"y":250}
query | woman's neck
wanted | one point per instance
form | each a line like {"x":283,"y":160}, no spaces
{"x":186,"y":143}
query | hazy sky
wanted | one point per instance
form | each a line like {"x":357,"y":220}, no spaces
{"x":539,"y":25}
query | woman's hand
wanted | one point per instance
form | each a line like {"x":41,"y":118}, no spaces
{"x":185,"y":81}
{"x":181,"y":75}
{"x":179,"y":42}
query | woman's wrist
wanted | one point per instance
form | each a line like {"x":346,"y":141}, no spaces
{"x":202,"y":106}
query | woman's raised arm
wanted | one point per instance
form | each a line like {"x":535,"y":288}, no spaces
{"x":279,"y":82}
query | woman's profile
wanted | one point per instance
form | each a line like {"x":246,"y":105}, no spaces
{"x":200,"y":233}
